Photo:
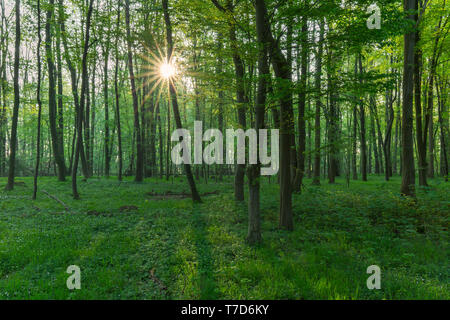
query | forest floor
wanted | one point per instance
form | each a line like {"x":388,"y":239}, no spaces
{"x":142,"y":241}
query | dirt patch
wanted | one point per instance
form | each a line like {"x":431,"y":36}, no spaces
{"x":128,"y":209}
{"x":96,"y":213}
{"x":177,"y":196}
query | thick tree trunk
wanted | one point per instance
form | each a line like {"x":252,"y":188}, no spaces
{"x":254,"y":225}
{"x":283,"y":72}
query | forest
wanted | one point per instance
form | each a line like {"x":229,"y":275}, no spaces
{"x":353,"y":96}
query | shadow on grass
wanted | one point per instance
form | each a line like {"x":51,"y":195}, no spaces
{"x":207,"y":283}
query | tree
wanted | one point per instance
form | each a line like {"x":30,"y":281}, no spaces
{"x":283,"y":72}
{"x":408,"y":171}
{"x":137,"y":128}
{"x":80,"y":111}
{"x":117,"y":95}
{"x":13,"y":141}
{"x":38,"y":98}
{"x":318,"y":87}
{"x":58,"y":150}
{"x":173,"y":95}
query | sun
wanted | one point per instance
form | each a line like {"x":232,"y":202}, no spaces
{"x":167,"y":70}
{"x":159,"y":72}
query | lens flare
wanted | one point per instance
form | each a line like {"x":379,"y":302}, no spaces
{"x":167,"y":70}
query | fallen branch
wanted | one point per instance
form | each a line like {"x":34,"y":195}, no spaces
{"x":158,"y":282}
{"x":57,"y":200}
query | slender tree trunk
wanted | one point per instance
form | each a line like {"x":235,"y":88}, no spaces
{"x":355,"y":134}
{"x":84,"y":84}
{"x":58,"y":150}
{"x":117,"y":96}
{"x":3,"y":114}
{"x":106,"y":102}
{"x":421,"y":133}
{"x":396,"y":135}
{"x":362,"y":122}
{"x":38,"y":98}
{"x":300,"y":173}
{"x":140,"y":155}
{"x":317,"y":127}
{"x":74,"y":82}
{"x":354,"y":143}
{"x":444,"y":133}
{"x":60,"y":110}
{"x":161,"y":142}
{"x":173,"y":94}
{"x":13,"y":141}
{"x":241,"y":97}
{"x":408,"y":171}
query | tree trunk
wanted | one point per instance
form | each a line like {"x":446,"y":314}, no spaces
{"x":13,"y":141}
{"x":443,"y":124}
{"x":362,"y":128}
{"x":84,"y":84}
{"x":421,"y":133}
{"x":38,"y":98}
{"x":106,"y":102}
{"x":254,"y":224}
{"x":408,"y":171}
{"x":140,"y":154}
{"x":117,"y":96}
{"x":283,"y":72}
{"x":318,"y":87}
{"x":173,"y":94}
{"x":58,"y":150}
{"x":300,"y":172}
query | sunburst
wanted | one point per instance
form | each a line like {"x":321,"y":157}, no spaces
{"x":167,"y":70}
{"x":158,"y":73}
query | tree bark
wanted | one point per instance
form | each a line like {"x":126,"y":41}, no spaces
{"x":84,"y":84}
{"x":173,"y":94}
{"x":140,"y":154}
{"x":284,"y":74}
{"x":300,"y":172}
{"x":363,"y":127}
{"x":318,"y":87}
{"x":117,"y":96}
{"x":408,"y":171}
{"x":13,"y":141}
{"x":38,"y":98}
{"x":58,"y":150}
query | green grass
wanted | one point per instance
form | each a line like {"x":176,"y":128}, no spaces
{"x":199,"y":251}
